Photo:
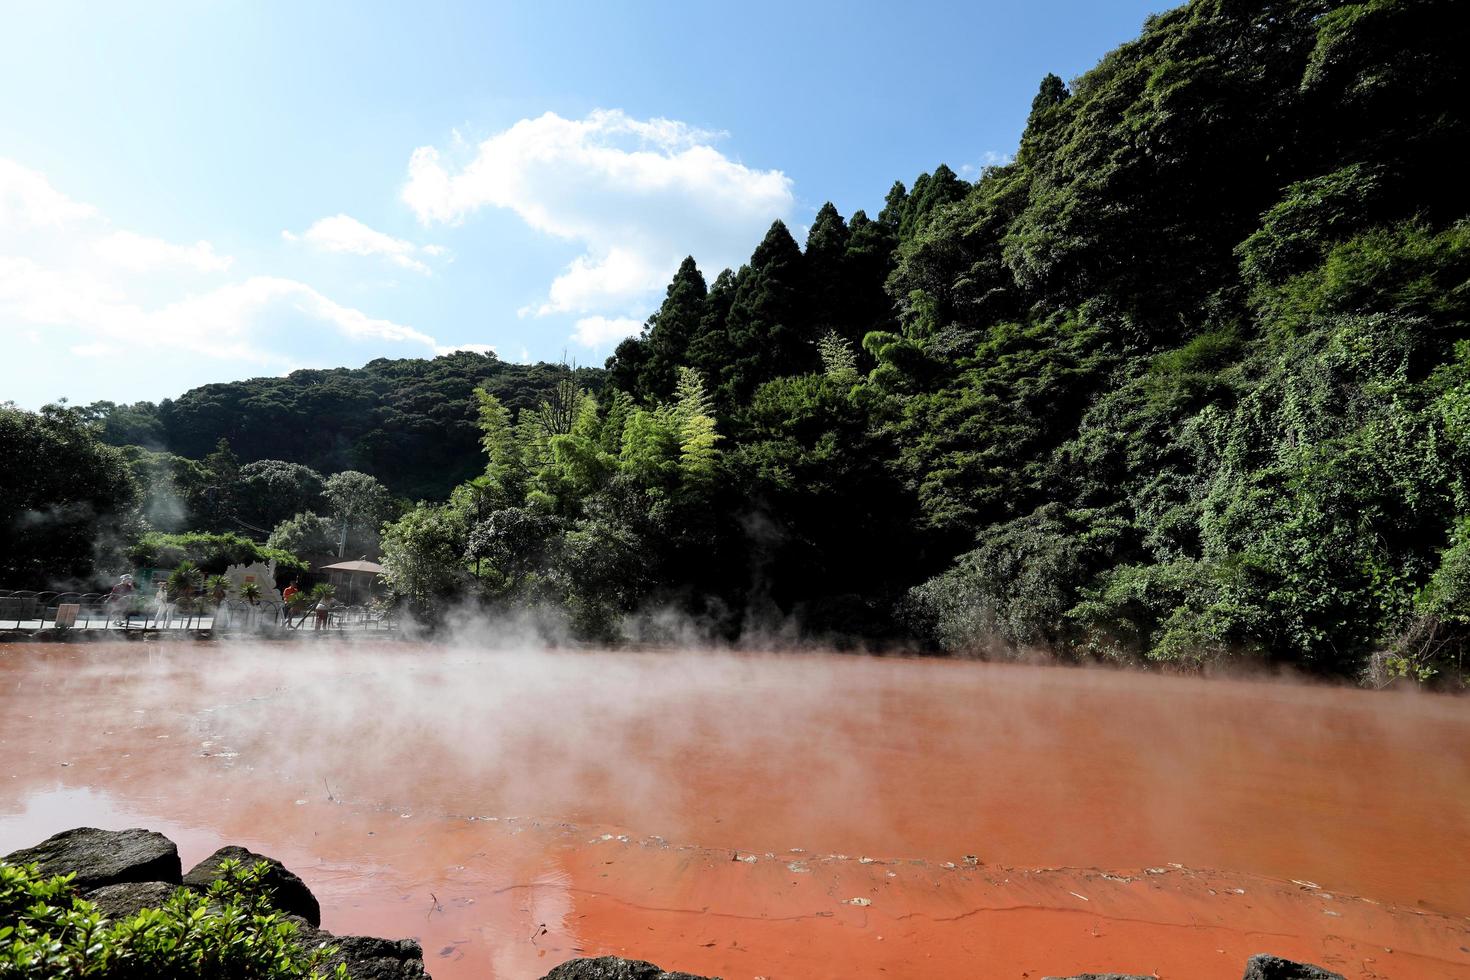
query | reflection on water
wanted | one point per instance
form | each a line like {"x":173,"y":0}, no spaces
{"x":514,"y":809}
{"x":42,"y":811}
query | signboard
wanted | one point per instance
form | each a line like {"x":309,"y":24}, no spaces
{"x":66,"y":615}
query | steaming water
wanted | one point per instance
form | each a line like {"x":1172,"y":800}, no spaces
{"x":514,"y":808}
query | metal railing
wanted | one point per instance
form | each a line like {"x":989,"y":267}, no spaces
{"x":25,"y":609}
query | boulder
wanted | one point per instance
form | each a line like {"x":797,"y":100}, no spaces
{"x":365,"y":957}
{"x":614,"y":968}
{"x":123,"y":871}
{"x":127,"y":899}
{"x":104,"y":857}
{"x":1264,"y":966}
{"x":289,"y":893}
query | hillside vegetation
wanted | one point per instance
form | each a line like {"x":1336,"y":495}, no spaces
{"x":409,"y":422}
{"x":1188,"y":380}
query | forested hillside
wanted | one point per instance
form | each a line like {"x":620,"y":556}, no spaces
{"x":1186,"y":380}
{"x":409,"y":422}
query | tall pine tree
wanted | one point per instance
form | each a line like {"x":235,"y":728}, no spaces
{"x":768,"y":333}
{"x":670,"y":332}
{"x":827,"y":280}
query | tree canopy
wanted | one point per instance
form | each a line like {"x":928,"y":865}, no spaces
{"x":1186,"y":380}
{"x":66,"y":500}
{"x":408,"y":422}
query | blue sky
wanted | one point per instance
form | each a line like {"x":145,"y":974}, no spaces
{"x":205,"y":191}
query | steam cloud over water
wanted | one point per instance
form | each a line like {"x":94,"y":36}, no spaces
{"x":903,"y":758}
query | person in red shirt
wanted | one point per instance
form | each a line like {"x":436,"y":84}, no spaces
{"x":286,"y":597}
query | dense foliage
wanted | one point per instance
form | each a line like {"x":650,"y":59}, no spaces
{"x":408,"y":422}
{"x":212,"y":553}
{"x":229,"y":933}
{"x":1188,"y":379}
{"x":66,"y":500}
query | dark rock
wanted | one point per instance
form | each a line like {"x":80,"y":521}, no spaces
{"x":1264,"y":966}
{"x":125,"y":900}
{"x":615,"y":968}
{"x":366,"y":958}
{"x":104,"y":857}
{"x":288,"y":892}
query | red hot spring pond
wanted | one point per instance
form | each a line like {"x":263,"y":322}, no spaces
{"x":770,"y":816}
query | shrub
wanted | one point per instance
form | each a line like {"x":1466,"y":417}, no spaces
{"x":47,"y":930}
{"x":211,"y":552}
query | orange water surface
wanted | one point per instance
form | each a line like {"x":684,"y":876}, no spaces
{"x":748,"y":815}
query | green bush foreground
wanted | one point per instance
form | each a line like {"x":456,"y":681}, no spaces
{"x":48,"y":930}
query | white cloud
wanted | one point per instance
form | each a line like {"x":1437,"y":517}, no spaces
{"x":140,"y":253}
{"x":600,"y":332}
{"x":990,"y":158}
{"x":345,"y":234}
{"x":27,"y":199}
{"x":221,"y":322}
{"x":472,"y":348}
{"x":637,"y":195}
{"x":619,"y":277}
{"x":65,"y":270}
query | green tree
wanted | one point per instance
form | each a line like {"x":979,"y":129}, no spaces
{"x":359,"y":505}
{"x":670,"y":332}
{"x":829,"y":286}
{"x":67,"y":502}
{"x":766,"y":325}
{"x":693,"y":416}
{"x":272,"y":490}
{"x":306,"y":534}
{"x":424,"y":557}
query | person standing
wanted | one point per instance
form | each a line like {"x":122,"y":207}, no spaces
{"x":119,"y":599}
{"x":287,"y":595}
{"x":323,"y":612}
{"x":162,"y":612}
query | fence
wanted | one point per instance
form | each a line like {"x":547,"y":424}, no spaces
{"x":28,"y":610}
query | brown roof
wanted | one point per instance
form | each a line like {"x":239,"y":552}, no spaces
{"x":362,"y":565}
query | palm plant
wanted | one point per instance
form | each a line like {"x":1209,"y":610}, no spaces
{"x":218,"y":587}
{"x":183,"y":581}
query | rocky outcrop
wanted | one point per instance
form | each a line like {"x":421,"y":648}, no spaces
{"x":126,"y":900}
{"x":105,"y":857}
{"x":615,"y":968}
{"x":123,"y":871}
{"x":1105,"y":976}
{"x":365,"y":957}
{"x":288,"y":892}
{"x":1264,"y":966}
